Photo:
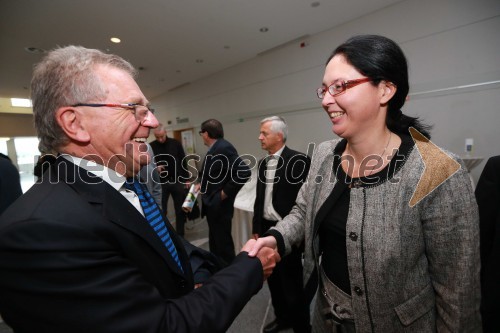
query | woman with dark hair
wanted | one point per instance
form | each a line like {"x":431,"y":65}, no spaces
{"x":389,"y":220}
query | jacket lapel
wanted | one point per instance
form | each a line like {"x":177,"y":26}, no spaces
{"x":117,"y":209}
{"x":328,"y":196}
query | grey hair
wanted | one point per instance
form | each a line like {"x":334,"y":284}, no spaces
{"x":278,"y":125}
{"x":66,"y":76}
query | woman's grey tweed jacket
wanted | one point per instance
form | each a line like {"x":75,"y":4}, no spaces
{"x":413,"y":263}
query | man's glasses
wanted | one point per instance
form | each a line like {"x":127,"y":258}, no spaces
{"x":141,"y":112}
{"x":339,"y":86}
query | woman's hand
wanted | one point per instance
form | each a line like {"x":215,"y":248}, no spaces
{"x":268,"y":256}
{"x":268,"y":241}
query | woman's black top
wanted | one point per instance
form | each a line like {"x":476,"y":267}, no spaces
{"x":332,"y":230}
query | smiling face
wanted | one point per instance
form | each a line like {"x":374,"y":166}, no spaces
{"x":114,"y":134}
{"x":357,"y":110}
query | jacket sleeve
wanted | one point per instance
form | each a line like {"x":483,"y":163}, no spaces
{"x":451,"y":232}
{"x":488,"y":199}
{"x":92,"y":287}
{"x":292,"y":228}
{"x":213,"y":307}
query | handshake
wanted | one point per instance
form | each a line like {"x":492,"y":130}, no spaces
{"x":265,"y":250}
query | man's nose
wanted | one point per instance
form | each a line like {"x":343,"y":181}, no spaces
{"x":151,"y":121}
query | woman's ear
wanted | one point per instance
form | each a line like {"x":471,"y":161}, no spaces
{"x":71,"y":123}
{"x":388,"y":89}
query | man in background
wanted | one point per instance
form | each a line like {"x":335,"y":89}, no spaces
{"x":222,"y":175}
{"x":172,"y":167}
{"x":86,"y":249}
{"x":280,"y":176}
{"x":10,"y":183}
{"x":488,"y":200}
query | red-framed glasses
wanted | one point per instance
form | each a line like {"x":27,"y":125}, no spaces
{"x":339,"y":86}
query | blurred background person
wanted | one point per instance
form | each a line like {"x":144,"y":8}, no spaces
{"x":488,"y":201}
{"x":10,"y":183}
{"x":222,"y":175}
{"x":172,"y":167}
{"x":392,"y":217}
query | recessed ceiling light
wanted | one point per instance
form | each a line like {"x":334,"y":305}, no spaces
{"x":315,"y":4}
{"x":264,"y":29}
{"x":21,"y":102}
{"x":115,"y":40}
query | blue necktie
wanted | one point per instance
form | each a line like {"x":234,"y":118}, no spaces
{"x":153,"y":216}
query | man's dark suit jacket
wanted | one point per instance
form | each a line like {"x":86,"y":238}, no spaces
{"x":10,"y":184}
{"x":488,"y":200}
{"x":224,"y":170}
{"x":76,"y":256}
{"x":291,"y":172}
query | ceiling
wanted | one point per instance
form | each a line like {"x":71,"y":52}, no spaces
{"x":173,"y":42}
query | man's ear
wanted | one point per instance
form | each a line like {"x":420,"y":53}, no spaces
{"x":71,"y":123}
{"x":388,"y":89}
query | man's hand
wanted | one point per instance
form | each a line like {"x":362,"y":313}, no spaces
{"x":268,"y":257}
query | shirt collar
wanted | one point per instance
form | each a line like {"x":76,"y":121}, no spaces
{"x":278,"y":153}
{"x":110,"y":176}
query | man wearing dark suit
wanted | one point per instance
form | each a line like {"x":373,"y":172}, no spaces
{"x":280,"y":176}
{"x":77,"y":252}
{"x":10,"y":184}
{"x":488,"y":200}
{"x":222,"y":175}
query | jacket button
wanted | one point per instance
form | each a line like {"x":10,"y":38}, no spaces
{"x":358,"y":291}
{"x":353,"y":236}
{"x":182,"y":284}
{"x":356,"y":184}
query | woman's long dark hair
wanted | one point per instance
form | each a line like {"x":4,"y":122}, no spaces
{"x":380,"y":58}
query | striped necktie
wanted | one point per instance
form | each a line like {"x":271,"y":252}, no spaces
{"x":154,"y":216}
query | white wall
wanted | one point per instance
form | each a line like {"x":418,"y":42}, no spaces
{"x":449,"y":44}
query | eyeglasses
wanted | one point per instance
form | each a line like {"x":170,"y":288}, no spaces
{"x":339,"y":86}
{"x":141,"y":112}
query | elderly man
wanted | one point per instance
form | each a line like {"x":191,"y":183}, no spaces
{"x":86,"y":249}
{"x":281,"y":174}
